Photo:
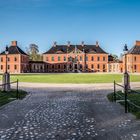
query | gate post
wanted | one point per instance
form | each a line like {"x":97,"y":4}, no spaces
{"x":126,"y":104}
{"x":114,"y":91}
{"x":17,"y":90}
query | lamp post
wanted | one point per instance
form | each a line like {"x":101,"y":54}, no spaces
{"x":6,"y":75}
{"x":126,"y":79}
{"x":6,"y":53}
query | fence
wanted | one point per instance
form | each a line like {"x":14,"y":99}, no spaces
{"x":17,"y":89}
{"x":129,"y":104}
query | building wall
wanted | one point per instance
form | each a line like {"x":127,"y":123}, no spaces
{"x":115,"y":67}
{"x":37,"y":67}
{"x":133,"y":63}
{"x":85,"y":62}
{"x":97,"y":62}
{"x":16,"y":63}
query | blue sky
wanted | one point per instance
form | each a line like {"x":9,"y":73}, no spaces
{"x":112,"y":22}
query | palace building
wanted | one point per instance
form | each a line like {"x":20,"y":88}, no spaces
{"x":76,"y":58}
{"x":69,"y":58}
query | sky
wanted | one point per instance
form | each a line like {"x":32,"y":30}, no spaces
{"x":113,"y":23}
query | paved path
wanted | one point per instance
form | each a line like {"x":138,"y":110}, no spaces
{"x":67,"y":112}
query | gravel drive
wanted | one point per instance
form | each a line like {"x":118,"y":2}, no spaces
{"x":67,"y":113}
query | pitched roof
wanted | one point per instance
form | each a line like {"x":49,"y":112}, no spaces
{"x":14,"y":50}
{"x":61,"y":49}
{"x":134,"y":50}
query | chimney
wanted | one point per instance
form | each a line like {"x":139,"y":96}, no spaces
{"x":14,"y":43}
{"x":82,"y":43}
{"x":54,"y":44}
{"x":97,"y":44}
{"x":68,"y":43}
{"x":137,"y":43}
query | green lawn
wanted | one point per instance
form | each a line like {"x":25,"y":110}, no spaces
{"x":6,"y":97}
{"x":71,"y":78}
{"x":132,"y":97}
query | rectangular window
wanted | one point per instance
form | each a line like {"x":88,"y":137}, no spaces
{"x":15,"y":67}
{"x":103,"y":58}
{"x":135,"y":68}
{"x":1,"y":67}
{"x":46,"y":58}
{"x":86,"y":58}
{"x":8,"y":59}
{"x":80,"y":58}
{"x":135,"y":58}
{"x":52,"y":58}
{"x":92,"y":66}
{"x":98,"y":66}
{"x":58,"y":58}
{"x":8,"y":67}
{"x":98,"y":58}
{"x":1,"y":59}
{"x":92,"y":58}
{"x":58,"y":66}
{"x":15,"y":59}
{"x":64,"y":58}
{"x":128,"y":59}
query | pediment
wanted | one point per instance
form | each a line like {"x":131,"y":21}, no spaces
{"x":77,"y":51}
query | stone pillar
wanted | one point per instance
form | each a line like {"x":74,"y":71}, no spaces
{"x":6,"y":79}
{"x":126,"y":81}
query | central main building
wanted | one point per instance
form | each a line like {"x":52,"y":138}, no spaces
{"x":76,"y":58}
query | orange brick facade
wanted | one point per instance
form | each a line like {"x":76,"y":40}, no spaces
{"x":16,"y":63}
{"x":76,"y":60}
{"x":133,"y":63}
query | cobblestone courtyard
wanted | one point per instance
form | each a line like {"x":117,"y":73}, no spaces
{"x":67,"y":113}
